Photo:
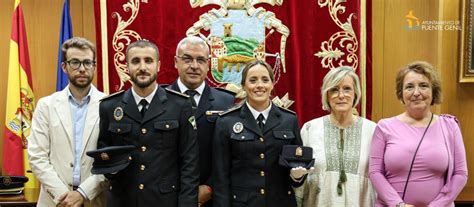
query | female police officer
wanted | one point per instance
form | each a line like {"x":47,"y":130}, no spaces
{"x":248,"y":140}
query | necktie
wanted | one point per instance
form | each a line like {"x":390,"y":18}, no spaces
{"x":191,"y":94}
{"x":260,"y":119}
{"x":143,"y":103}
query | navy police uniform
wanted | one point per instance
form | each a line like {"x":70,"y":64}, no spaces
{"x":246,"y":170}
{"x":212,"y":102}
{"x":164,"y":164}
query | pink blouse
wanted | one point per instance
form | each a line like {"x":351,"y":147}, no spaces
{"x":393,"y":146}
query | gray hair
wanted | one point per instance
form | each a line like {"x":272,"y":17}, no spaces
{"x":333,"y":78}
{"x":194,"y":40}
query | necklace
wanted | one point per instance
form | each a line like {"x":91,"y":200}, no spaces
{"x":342,"y":172}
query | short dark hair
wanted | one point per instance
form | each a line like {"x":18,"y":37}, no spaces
{"x":254,"y":63}
{"x":142,"y":44}
{"x":79,"y":43}
{"x":423,"y":68}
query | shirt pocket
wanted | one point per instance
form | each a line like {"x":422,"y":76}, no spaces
{"x":168,"y":131}
{"x":285,"y":136}
{"x":239,"y":197}
{"x":121,"y":132}
{"x":242,"y":144}
{"x":168,"y":186}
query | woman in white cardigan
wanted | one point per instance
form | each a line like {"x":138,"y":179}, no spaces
{"x":341,"y":143}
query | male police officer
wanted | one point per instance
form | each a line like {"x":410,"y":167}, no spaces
{"x":164,"y":166}
{"x":191,"y":60}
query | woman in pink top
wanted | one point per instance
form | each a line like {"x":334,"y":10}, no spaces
{"x":438,"y":162}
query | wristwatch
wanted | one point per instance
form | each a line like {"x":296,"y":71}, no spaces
{"x":401,"y":204}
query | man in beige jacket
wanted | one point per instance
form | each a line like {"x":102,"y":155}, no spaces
{"x":65,"y":126}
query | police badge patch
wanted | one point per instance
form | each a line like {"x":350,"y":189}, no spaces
{"x":118,"y":113}
{"x":238,"y":127}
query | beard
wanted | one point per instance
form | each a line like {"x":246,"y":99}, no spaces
{"x":143,"y":84}
{"x":78,"y":84}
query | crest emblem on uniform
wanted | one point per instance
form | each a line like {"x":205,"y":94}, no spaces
{"x":7,"y":181}
{"x":238,"y":127}
{"x":299,"y":152}
{"x":104,"y":156}
{"x":192,"y":120}
{"x":118,"y":113}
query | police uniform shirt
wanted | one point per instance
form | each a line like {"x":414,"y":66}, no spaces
{"x":199,"y":90}
{"x":164,"y":164}
{"x":245,"y":162}
{"x":255,"y":113}
{"x":138,"y":98}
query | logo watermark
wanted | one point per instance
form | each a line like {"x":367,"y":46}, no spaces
{"x":415,"y":23}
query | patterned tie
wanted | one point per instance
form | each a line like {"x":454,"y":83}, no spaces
{"x":260,"y":119}
{"x":143,"y":103}
{"x":191,"y":94}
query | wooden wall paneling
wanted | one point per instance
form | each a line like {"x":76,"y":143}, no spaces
{"x":42,"y":19}
{"x":458,"y":98}
{"x":378,"y":34}
{"x":402,"y":45}
{"x":77,"y":13}
{"x":88,"y":25}
{"x":88,"y":20}
{"x":83,"y":23}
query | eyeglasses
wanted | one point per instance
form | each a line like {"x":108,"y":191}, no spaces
{"x":334,"y":92}
{"x":75,"y":64}
{"x":190,"y":60}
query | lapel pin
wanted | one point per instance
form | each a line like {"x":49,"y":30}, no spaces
{"x":192,"y":121}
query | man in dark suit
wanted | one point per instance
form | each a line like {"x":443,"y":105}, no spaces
{"x":163,"y":170}
{"x":191,"y":61}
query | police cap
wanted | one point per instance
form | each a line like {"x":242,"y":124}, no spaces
{"x":110,"y":159}
{"x":12,"y":184}
{"x":296,"y":156}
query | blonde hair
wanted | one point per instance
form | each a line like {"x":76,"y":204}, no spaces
{"x":333,"y":78}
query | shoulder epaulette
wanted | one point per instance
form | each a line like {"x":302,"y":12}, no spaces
{"x":287,"y":110}
{"x":112,"y":95}
{"x":226,"y":91}
{"x":231,"y":109}
{"x":176,"y":93}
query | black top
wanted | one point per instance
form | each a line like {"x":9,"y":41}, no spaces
{"x":246,"y":170}
{"x":164,"y":167}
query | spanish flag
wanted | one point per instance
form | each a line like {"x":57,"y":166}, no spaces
{"x":20,"y":102}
